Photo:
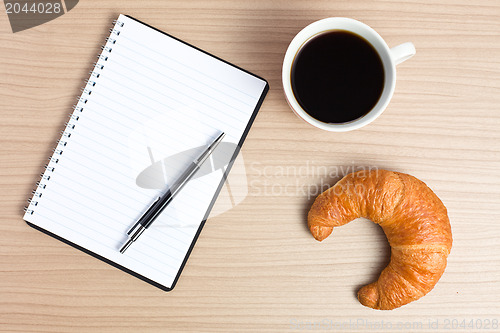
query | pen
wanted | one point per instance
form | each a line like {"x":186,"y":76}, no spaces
{"x":162,"y":201}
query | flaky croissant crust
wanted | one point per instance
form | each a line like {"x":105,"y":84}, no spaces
{"x":414,"y":220}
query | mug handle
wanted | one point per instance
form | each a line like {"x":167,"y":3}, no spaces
{"x":402,"y":52}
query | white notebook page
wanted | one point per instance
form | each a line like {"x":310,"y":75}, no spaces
{"x":155,"y":98}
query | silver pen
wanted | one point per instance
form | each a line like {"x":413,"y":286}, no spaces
{"x":161,"y":202}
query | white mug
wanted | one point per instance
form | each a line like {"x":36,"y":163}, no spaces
{"x":390,"y":58}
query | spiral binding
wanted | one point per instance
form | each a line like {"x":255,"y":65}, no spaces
{"x":70,"y":125}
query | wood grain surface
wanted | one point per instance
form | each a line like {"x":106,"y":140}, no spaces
{"x":255,"y":267}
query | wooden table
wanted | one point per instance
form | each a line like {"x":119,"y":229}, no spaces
{"x":255,"y":267}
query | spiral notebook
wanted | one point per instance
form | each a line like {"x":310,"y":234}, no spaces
{"x":151,"y":105}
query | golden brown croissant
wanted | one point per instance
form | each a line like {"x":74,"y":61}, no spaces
{"x":414,"y":220}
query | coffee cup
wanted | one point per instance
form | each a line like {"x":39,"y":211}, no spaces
{"x":339,"y":74}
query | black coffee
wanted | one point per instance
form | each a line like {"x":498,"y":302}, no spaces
{"x":337,"y":77}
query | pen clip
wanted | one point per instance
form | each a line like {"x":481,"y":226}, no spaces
{"x":138,"y":223}
{"x":132,"y":230}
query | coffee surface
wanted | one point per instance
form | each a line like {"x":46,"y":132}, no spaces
{"x":337,"y":76}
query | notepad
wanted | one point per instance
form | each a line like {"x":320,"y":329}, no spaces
{"x":150,"y":106}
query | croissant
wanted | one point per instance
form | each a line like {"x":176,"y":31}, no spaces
{"x":414,"y":220}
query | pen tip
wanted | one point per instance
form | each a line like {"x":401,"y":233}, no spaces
{"x":126,"y":245}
